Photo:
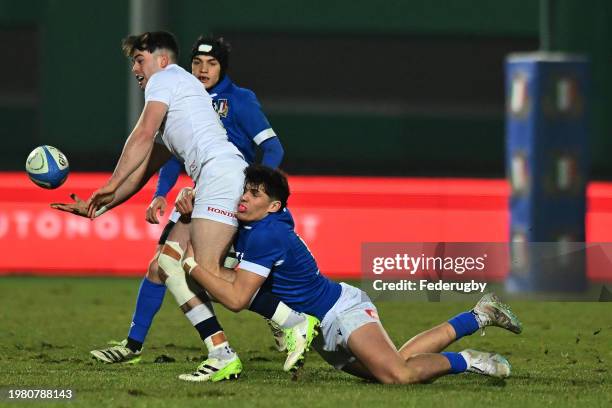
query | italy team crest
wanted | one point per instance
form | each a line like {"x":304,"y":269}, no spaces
{"x":222,"y":107}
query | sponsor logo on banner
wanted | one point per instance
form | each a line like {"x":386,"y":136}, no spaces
{"x":50,"y":225}
{"x":563,"y":97}
{"x":519,"y":252}
{"x":562,"y":175}
{"x":519,"y":173}
{"x":519,"y":103}
{"x":566,"y":173}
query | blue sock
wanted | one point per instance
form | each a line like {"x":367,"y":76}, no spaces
{"x":150,"y":299}
{"x":208,"y":327}
{"x":464,"y":324}
{"x":457,"y":362}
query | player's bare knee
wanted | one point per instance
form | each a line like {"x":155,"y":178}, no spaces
{"x":414,"y":374}
{"x":398,"y":375}
{"x":153,"y":271}
{"x":162,"y":276}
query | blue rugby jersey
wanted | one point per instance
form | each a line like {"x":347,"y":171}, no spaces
{"x":246,"y":125}
{"x":271,"y":248}
{"x":241,"y":114}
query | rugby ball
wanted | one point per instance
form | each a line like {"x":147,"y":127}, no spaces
{"x":47,"y":167}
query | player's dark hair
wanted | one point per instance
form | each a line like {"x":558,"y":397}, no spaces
{"x":274,"y":182}
{"x":216,"y":47}
{"x":151,"y":41}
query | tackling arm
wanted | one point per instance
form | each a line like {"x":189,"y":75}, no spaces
{"x":234,"y":294}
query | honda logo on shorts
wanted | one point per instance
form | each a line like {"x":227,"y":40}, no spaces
{"x":222,"y":212}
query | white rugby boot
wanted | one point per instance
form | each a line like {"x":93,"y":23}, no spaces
{"x":482,"y":362}
{"x":490,"y":311}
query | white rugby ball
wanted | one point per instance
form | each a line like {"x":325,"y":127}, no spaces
{"x":47,"y":167}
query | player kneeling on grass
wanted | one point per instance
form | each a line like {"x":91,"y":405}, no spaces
{"x":352,"y":337}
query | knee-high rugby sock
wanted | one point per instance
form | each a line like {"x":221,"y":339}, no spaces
{"x":202,"y":317}
{"x":264,"y":303}
{"x":150,"y":299}
{"x":457,"y":362}
{"x":286,"y":317}
{"x":272,"y":308}
{"x":464,"y":324}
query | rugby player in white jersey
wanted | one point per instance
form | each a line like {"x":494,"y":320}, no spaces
{"x":177,"y":105}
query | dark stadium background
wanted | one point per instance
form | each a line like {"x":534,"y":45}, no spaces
{"x":395,"y":88}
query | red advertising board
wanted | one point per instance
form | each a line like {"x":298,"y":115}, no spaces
{"x":334,"y":215}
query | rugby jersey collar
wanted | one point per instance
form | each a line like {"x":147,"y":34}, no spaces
{"x":283,"y":216}
{"x":222,"y":86}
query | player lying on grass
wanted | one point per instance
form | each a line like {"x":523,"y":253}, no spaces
{"x":272,"y":257}
{"x":178,"y":118}
{"x":247,"y":128}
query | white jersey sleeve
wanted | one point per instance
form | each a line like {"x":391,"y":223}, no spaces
{"x":159,"y":88}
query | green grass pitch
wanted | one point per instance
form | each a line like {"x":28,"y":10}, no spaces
{"x":48,"y":325}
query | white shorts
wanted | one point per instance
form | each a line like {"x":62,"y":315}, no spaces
{"x":352,"y":310}
{"x":219,"y":188}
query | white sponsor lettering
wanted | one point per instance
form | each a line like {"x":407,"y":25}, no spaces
{"x":154,"y":230}
{"x":22,"y":219}
{"x":4,"y":225}
{"x":77,"y":227}
{"x":48,"y":225}
{"x":131,"y":231}
{"x":310,"y":224}
{"x":107,"y":227}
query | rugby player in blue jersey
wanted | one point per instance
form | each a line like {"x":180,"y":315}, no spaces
{"x":273,"y":258}
{"x":247,"y":128}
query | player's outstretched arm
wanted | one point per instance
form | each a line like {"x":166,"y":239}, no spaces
{"x":137,"y":147}
{"x":159,"y":155}
{"x":139,"y":178}
{"x":78,"y":207}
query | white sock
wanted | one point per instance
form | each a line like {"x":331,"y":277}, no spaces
{"x":200,"y":313}
{"x":466,"y":357}
{"x":286,"y":317}
{"x":221,"y":351}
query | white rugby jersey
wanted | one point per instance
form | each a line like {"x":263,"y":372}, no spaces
{"x":192,"y":130}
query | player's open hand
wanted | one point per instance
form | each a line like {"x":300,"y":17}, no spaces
{"x":99,"y":199}
{"x":158,"y":204}
{"x":79,"y":207}
{"x":184,"y":201}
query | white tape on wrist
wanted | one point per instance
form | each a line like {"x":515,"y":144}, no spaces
{"x":101,"y":211}
{"x":189,"y":264}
